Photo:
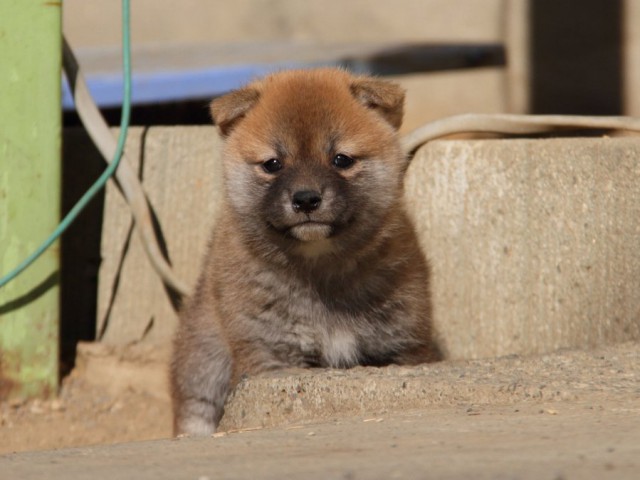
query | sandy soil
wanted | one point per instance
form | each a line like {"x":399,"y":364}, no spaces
{"x":83,"y":414}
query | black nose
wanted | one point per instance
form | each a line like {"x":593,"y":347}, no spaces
{"x":306,"y":201}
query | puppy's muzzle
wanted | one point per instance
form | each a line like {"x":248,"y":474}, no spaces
{"x":306,"y":201}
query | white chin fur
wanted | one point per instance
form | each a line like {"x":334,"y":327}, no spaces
{"x":311,"y":232}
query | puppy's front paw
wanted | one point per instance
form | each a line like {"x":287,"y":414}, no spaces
{"x":194,"y":427}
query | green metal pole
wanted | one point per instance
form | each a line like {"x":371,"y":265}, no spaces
{"x":30,"y":132}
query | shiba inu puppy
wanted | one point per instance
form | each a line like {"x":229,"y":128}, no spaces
{"x":313,"y":262}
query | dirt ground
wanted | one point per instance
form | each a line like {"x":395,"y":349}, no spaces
{"x":83,"y":414}
{"x":598,"y":439}
{"x":574,"y":412}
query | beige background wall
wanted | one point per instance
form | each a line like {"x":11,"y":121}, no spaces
{"x":91,"y":23}
{"x":96,"y":25}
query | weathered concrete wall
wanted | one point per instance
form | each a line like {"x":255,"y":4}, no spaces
{"x":181,"y":174}
{"x":533,"y":243}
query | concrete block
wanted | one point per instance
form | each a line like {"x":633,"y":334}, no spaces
{"x":181,"y":173}
{"x":533,"y":243}
{"x":312,"y":395}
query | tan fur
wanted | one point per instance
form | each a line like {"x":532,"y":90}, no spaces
{"x":348,"y":287}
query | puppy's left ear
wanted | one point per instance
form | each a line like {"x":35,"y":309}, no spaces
{"x":229,"y":109}
{"x":384,"y":97}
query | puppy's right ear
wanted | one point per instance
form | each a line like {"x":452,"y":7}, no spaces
{"x":230,"y":108}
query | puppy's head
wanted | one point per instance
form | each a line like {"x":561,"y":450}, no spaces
{"x":312,"y":160}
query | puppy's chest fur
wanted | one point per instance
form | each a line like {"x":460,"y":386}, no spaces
{"x":289,"y":320}
{"x":302,"y":331}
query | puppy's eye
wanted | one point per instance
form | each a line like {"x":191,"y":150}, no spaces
{"x":342,"y":161}
{"x":272,"y":165}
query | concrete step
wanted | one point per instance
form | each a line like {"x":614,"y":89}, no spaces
{"x":303,"y":396}
{"x":533,"y":243}
{"x":300,"y":396}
